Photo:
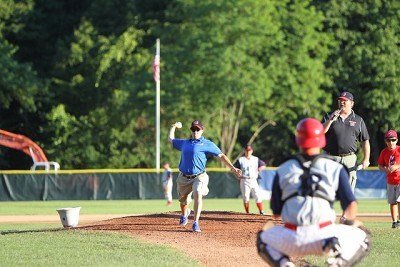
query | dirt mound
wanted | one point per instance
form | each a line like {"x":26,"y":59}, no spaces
{"x":227,"y":238}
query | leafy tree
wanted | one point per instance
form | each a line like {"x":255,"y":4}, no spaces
{"x":15,"y":77}
{"x":22,"y":93}
{"x":105,"y":103}
{"x":76,"y":74}
{"x":365,"y":60}
{"x":242,"y":66}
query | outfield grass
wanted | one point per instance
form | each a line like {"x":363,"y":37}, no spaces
{"x":83,"y":248}
{"x":34,"y":245}
{"x":149,"y":206}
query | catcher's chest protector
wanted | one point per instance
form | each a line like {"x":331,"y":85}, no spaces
{"x":310,"y":181}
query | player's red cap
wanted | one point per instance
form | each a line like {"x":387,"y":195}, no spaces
{"x":391,"y":134}
{"x":248,"y":148}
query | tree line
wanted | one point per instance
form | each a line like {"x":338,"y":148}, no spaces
{"x":76,"y":75}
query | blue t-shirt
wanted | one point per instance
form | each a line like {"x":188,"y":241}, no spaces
{"x":194,"y":154}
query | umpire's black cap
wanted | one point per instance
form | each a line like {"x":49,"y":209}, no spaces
{"x":346,"y":96}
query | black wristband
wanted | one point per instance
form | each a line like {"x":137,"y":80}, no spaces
{"x":344,"y":220}
{"x":348,"y":222}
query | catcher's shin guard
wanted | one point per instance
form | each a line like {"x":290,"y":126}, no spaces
{"x":331,"y":246}
{"x":281,"y":260}
{"x":361,"y":252}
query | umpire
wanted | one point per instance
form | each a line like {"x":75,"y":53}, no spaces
{"x":344,"y":130}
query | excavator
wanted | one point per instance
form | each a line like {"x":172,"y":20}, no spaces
{"x":26,"y":145}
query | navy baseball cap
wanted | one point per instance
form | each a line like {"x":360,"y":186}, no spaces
{"x":346,"y":96}
{"x":196,"y":124}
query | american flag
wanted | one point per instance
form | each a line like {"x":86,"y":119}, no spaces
{"x":156,"y":68}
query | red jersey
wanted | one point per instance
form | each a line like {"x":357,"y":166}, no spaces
{"x":388,"y":158}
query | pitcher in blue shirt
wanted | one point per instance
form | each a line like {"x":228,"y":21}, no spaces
{"x":192,"y":178}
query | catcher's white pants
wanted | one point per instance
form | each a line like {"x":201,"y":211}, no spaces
{"x":308,"y":240}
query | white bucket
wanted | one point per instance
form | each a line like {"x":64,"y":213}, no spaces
{"x":69,"y":216}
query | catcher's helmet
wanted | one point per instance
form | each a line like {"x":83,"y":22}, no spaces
{"x":310,"y":133}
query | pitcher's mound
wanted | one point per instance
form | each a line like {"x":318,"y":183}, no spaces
{"x":227,"y":238}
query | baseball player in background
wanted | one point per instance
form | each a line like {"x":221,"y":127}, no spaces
{"x":389,"y":162}
{"x":303,"y":193}
{"x":166,"y":180}
{"x":250,"y":166}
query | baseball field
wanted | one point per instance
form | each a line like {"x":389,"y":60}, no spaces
{"x":146,"y":233}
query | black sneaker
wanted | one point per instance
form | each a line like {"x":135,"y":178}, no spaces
{"x":262,"y":212}
{"x":395,"y":225}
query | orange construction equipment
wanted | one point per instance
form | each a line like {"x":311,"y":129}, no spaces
{"x":26,"y":145}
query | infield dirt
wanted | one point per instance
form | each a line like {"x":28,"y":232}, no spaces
{"x":227,"y":238}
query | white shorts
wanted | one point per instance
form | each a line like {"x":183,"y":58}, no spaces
{"x":187,"y":186}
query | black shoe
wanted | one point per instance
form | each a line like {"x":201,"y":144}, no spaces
{"x":395,"y":225}
{"x":262,"y":212}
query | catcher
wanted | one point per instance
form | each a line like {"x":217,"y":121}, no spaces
{"x":303,"y":193}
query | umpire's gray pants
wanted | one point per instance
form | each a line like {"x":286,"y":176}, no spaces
{"x":350,"y":161}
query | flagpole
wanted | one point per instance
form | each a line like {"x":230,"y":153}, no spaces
{"x":158,"y":105}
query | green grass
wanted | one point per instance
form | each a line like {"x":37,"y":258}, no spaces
{"x":370,"y":206}
{"x":114,"y":206}
{"x":41,"y":245}
{"x":148,"y":206}
{"x":81,"y":248}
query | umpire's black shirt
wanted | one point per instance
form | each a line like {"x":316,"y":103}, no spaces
{"x":343,"y":136}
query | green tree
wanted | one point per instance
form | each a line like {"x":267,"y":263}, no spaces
{"x":76,"y":74}
{"x":22,"y":93}
{"x":94,"y":54}
{"x":105,"y":103}
{"x":366,"y":60}
{"x":18,"y":81}
{"x":243,"y":66}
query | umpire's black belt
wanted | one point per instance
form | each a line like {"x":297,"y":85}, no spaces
{"x":193,"y":175}
{"x":344,"y":155}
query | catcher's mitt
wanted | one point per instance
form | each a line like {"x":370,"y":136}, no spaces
{"x":356,"y":223}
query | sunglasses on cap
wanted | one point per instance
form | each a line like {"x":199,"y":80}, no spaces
{"x":195,"y":129}
{"x":391,"y":140}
